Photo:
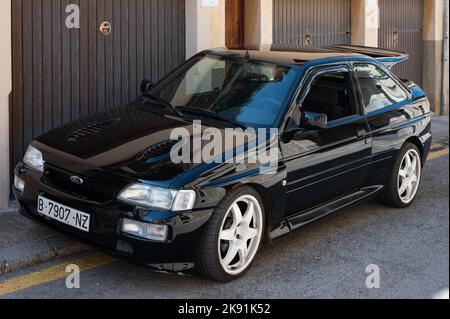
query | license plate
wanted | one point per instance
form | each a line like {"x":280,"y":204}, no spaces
{"x":63,"y":214}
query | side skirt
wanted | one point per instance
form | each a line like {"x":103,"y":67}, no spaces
{"x":306,"y":217}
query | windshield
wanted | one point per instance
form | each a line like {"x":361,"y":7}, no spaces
{"x":253,"y":94}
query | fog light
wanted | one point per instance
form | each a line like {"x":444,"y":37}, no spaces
{"x":144,"y":230}
{"x":19,"y":184}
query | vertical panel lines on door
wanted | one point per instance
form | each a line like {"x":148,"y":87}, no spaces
{"x":62,"y":74}
{"x":326,"y":21}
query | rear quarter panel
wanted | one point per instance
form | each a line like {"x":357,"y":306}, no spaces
{"x":392,"y":127}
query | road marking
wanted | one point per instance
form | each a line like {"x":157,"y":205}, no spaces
{"x":437,"y":154}
{"x":53,"y":273}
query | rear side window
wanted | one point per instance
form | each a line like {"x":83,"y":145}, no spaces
{"x":378,"y":88}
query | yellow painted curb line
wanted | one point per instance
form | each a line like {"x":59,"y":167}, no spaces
{"x":437,"y":154}
{"x":53,"y":273}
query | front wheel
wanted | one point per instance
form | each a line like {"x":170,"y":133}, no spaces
{"x":405,"y":178}
{"x":233,"y":236}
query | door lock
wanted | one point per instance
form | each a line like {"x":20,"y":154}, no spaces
{"x":361,"y":133}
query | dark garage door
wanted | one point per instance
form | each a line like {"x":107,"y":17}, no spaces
{"x":312,"y":22}
{"x":401,"y":28}
{"x":62,"y":74}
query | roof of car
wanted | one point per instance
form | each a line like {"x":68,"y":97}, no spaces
{"x":286,"y":54}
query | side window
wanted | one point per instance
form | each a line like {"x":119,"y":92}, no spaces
{"x":378,"y":89}
{"x":331,"y":94}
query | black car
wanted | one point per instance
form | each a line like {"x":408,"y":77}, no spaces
{"x":347,"y":129}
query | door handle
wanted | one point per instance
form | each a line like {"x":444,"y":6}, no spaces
{"x":361,"y":133}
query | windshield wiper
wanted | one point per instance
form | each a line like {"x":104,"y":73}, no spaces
{"x":163,"y":103}
{"x":209,"y":114}
{"x":179,"y":111}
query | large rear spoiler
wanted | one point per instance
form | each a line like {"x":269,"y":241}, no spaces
{"x":385,"y":56}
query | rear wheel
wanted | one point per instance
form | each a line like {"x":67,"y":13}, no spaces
{"x":405,"y":178}
{"x":233,"y":236}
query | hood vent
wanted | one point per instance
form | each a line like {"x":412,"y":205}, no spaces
{"x":157,"y":152}
{"x":92,"y":129}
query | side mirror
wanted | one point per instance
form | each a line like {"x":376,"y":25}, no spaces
{"x":315,"y":120}
{"x":294,"y":132}
{"x":146,"y":85}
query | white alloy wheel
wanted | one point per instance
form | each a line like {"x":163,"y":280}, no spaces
{"x":240,"y":234}
{"x":409,"y":176}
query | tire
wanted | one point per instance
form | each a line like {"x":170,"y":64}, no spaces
{"x":394,"y":193}
{"x":225,"y":235}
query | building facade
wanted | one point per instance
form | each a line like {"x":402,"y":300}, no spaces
{"x":65,"y":59}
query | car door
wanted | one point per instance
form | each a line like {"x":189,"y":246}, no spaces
{"x":324,"y":164}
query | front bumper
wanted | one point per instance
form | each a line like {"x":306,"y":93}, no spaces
{"x":177,"y":253}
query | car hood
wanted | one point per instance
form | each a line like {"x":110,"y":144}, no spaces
{"x":130,"y":142}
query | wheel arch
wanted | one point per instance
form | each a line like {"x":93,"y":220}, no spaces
{"x":416,"y":141}
{"x":273,"y":199}
{"x":266,"y":198}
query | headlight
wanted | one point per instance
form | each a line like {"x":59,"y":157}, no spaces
{"x":158,"y":198}
{"x":33,"y":158}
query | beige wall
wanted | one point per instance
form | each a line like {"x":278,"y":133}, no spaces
{"x":433,"y":35}
{"x":365,"y":22}
{"x":5,"y":89}
{"x":433,"y":20}
{"x":259,"y":23}
{"x":205,"y":26}
{"x":218,"y":25}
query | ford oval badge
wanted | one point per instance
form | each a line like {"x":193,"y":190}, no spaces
{"x":76,"y":180}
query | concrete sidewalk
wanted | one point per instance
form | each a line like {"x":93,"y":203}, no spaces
{"x":12,"y":208}
{"x":440,"y":130}
{"x":24,"y":243}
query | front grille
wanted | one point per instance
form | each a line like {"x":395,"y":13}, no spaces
{"x":93,"y":189}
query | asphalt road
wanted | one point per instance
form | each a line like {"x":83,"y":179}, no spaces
{"x":325,"y":260}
